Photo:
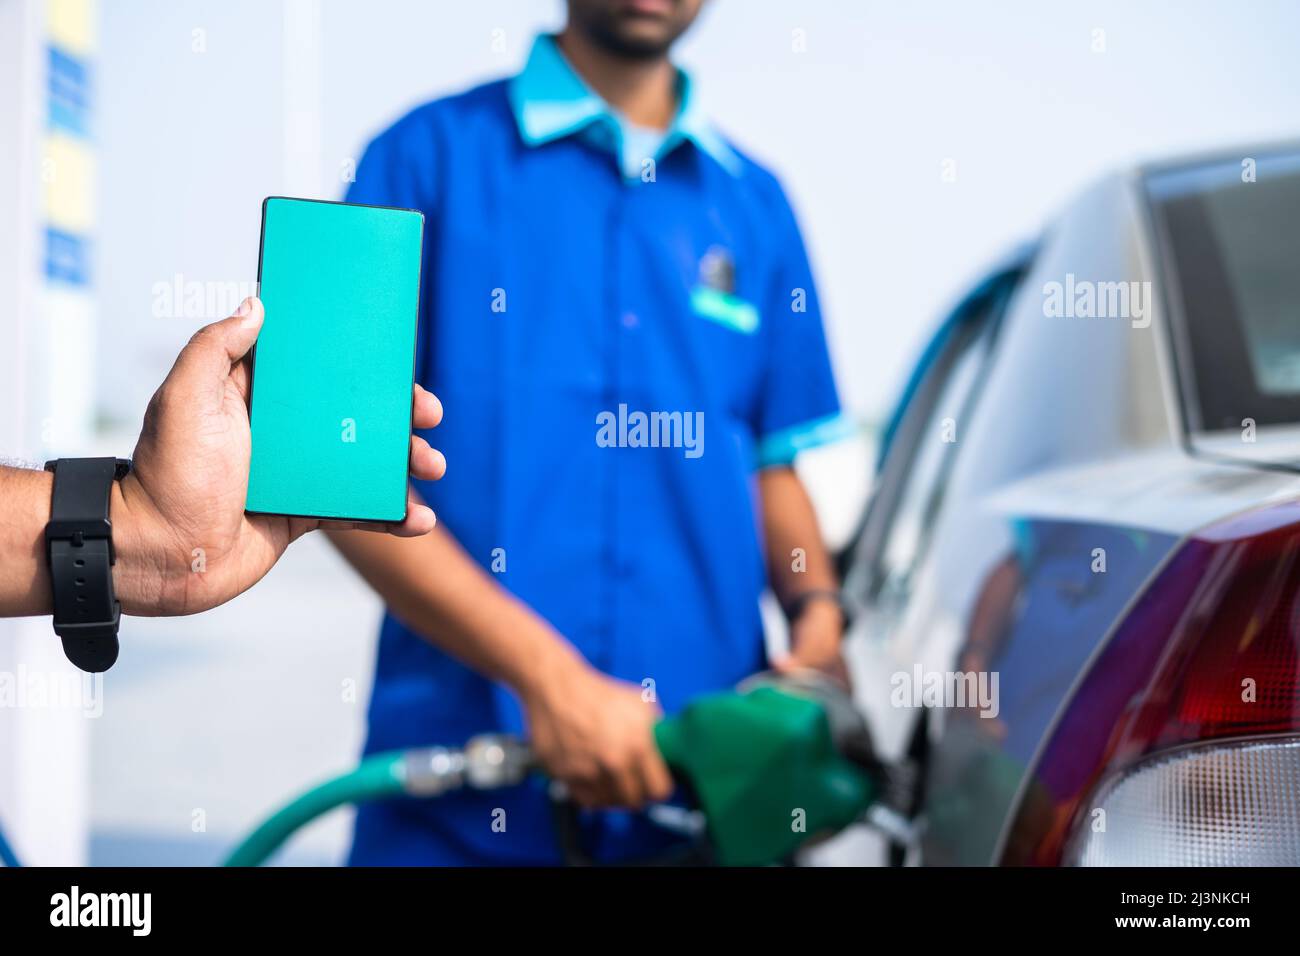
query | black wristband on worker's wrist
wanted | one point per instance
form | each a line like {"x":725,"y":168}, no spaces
{"x":799,"y":603}
{"x":79,"y":550}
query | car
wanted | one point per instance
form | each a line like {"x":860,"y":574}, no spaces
{"x":1074,"y":588}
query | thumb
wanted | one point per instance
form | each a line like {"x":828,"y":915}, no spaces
{"x":215,"y":348}
{"x":235,"y":336}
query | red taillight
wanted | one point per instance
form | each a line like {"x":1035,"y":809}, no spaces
{"x":1233,"y":669}
{"x":1210,"y":651}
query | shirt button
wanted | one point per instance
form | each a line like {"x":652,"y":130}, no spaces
{"x":630,"y":321}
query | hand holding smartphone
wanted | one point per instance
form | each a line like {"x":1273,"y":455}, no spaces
{"x":334,"y":365}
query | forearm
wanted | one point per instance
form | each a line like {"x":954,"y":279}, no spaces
{"x":442,"y":594}
{"x":800,"y":564}
{"x":24,"y":574}
{"x":24,"y":578}
{"x":796,"y":554}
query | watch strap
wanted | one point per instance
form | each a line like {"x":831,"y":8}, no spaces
{"x":800,"y":602}
{"x":79,"y":548}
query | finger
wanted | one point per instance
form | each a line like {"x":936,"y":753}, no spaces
{"x":625,"y":786}
{"x":426,"y":409}
{"x":203,"y":367}
{"x":297,"y":526}
{"x":420,"y":520}
{"x":426,"y":462}
{"x":585,"y":795}
{"x":640,"y":773}
{"x":658,"y":778}
{"x":582,"y":783}
{"x":330,"y":524}
{"x":230,"y":339}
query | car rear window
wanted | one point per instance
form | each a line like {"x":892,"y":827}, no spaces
{"x":1231,"y":236}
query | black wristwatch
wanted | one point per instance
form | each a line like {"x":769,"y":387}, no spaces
{"x":801,"y":600}
{"x":79,"y":549}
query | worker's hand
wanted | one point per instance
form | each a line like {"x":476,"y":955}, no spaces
{"x":184,"y":542}
{"x":596,"y":735}
{"x":815,"y":639}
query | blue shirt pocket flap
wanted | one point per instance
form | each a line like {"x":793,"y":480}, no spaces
{"x":726,"y":309}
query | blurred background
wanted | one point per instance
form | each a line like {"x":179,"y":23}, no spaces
{"x":917,"y":141}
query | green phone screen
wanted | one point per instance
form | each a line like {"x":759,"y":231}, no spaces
{"x":334,"y":363}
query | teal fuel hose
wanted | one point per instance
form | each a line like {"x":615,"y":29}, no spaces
{"x":486,"y":762}
{"x":382,"y":775}
{"x":772,"y":764}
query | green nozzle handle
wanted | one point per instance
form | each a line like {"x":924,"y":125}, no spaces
{"x":766,"y":769}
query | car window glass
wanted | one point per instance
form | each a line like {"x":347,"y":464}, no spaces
{"x":922,"y":491}
{"x":1229,"y":242}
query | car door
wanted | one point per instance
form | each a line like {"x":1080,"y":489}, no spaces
{"x":885,"y":566}
{"x":918,"y":448}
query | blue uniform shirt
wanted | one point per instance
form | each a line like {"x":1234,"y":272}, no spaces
{"x":620,"y":341}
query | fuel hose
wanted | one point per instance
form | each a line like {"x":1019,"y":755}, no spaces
{"x":485,"y":763}
{"x":376,"y":777}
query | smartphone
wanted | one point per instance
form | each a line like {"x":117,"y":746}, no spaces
{"x":334,"y":364}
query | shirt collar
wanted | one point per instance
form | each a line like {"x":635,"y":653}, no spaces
{"x":551,"y":101}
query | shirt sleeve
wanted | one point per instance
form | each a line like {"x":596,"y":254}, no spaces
{"x":799,"y":407}
{"x":397,"y":168}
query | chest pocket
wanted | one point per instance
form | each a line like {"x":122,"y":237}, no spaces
{"x":714,"y":297}
{"x":720,"y":323}
{"x":727,"y":330}
{"x":725,"y":308}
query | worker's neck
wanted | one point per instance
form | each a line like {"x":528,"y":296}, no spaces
{"x":643,"y":91}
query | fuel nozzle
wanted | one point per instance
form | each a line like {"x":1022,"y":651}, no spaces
{"x":774,"y":764}
{"x":486,"y":762}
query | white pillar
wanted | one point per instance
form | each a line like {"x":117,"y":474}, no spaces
{"x":302,"y":89}
{"x":46,"y":389}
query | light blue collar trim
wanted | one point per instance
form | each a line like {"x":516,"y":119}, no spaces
{"x":551,"y":101}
